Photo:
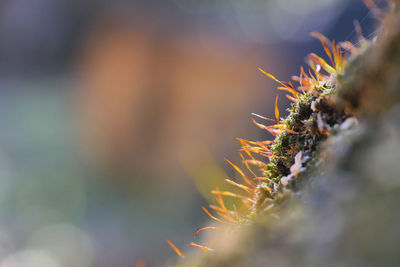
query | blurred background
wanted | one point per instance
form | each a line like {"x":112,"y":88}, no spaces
{"x":116,"y":116}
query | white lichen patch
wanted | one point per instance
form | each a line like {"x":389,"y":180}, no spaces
{"x":314,"y":106}
{"x":348,"y":123}
{"x":296,"y":167}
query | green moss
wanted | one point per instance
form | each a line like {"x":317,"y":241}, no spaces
{"x":303,"y":118}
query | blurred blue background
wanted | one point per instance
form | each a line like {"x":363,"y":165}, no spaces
{"x":116,"y":116}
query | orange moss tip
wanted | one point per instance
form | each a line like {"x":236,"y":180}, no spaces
{"x":244,"y":142}
{"x":206,"y":228}
{"x":227,"y":217}
{"x":276,"y":109}
{"x":321,"y":62}
{"x":204,"y":248}
{"x":348,"y":46}
{"x":283,"y":128}
{"x":241,"y":186}
{"x":231,"y":215}
{"x":248,"y":168}
{"x":229,"y":194}
{"x":324,"y":41}
{"x":245,"y":178}
{"x":261,"y":126}
{"x":217,"y":208}
{"x":272,"y":128}
{"x":255,"y":162}
{"x":251,"y":149}
{"x":221,"y":203}
{"x":290,"y":90}
{"x":215,"y":218}
{"x":261,"y":117}
{"x":235,"y":167}
{"x":333,"y":52}
{"x":291,"y":98}
{"x":270,"y":76}
{"x":177,"y":251}
{"x":287,"y":86}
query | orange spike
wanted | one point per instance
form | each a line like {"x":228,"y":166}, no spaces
{"x":223,"y":208}
{"x":288,"y":84}
{"x":296,"y":78}
{"x":251,"y":149}
{"x":262,"y":126}
{"x":216,"y":208}
{"x":224,"y":211}
{"x":274,"y":132}
{"x":282,"y":127}
{"x":266,"y":142}
{"x":290,"y":90}
{"x":322,"y":38}
{"x":346,"y":45}
{"x":262,"y":117}
{"x":235,"y":167}
{"x":215,"y":218}
{"x":204,"y":248}
{"x":306,"y":79}
{"x":247,"y":180}
{"x":206,"y":228}
{"x":291,"y":98}
{"x":324,"y":41}
{"x":276,"y":109}
{"x":336,"y":55}
{"x":312,"y":77}
{"x":256,"y":150}
{"x":227,"y":217}
{"x":229,"y":194}
{"x":271,"y":76}
{"x":253,"y":160}
{"x":303,"y":76}
{"x":245,"y":188}
{"x":247,"y":166}
{"x":339,"y":63}
{"x":177,"y":251}
{"x":256,"y":162}
{"x":320,"y":61}
{"x":315,"y":70}
{"x":220,"y":201}
{"x":252,"y":142}
{"x":265,"y":179}
{"x":265,"y":154}
{"x":247,"y":149}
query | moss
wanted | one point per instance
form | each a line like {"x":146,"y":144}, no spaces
{"x":315,"y":152}
{"x":304,"y":121}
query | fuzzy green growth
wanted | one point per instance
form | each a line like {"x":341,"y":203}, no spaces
{"x":304,"y":119}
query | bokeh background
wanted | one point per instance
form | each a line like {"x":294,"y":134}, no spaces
{"x":116,"y":116}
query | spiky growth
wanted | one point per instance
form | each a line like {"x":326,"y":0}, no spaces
{"x":281,"y":161}
{"x":277,"y":168}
